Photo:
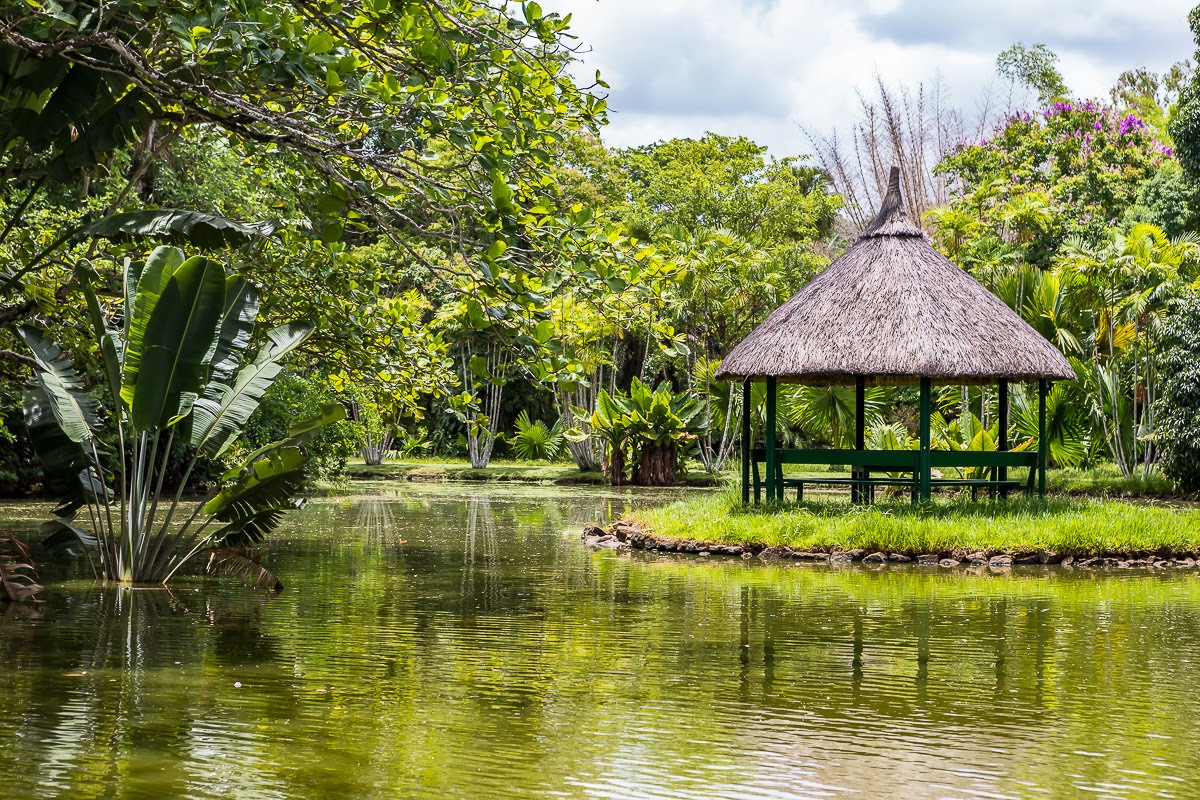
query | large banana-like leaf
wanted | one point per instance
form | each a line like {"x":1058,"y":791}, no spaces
{"x":250,"y":529}
{"x":110,"y":343}
{"x":176,"y":341}
{"x":265,"y":484}
{"x":179,"y":226}
{"x":235,"y":329}
{"x":221,"y":413}
{"x":143,"y":288}
{"x":238,"y":562}
{"x":63,"y":459}
{"x":62,"y":388}
{"x":60,"y":533}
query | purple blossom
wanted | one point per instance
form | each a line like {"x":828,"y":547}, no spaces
{"x":1098,"y":125}
{"x":1058,"y":108}
{"x":1131,"y":123}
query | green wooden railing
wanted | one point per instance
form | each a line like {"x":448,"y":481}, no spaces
{"x":865,"y":462}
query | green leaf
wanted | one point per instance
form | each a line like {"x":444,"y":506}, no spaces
{"x":62,"y":388}
{"x":502,"y":193}
{"x":235,"y":328}
{"x":60,"y":534}
{"x":299,"y":433}
{"x":178,"y":338}
{"x":478,"y":366}
{"x":264,"y":484}
{"x":249,"y":529}
{"x":142,"y":289}
{"x":62,"y":459}
{"x":224,"y":409}
{"x":179,"y":226}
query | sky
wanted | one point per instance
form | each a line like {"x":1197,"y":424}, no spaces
{"x":769,"y":69}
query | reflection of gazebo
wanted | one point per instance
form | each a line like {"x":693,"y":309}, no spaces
{"x":892,"y":310}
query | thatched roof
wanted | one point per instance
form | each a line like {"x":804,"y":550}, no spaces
{"x":893,"y":309}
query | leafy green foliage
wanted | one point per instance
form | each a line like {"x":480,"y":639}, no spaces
{"x":177,"y":226}
{"x":1185,"y":123}
{"x":1073,"y":168}
{"x":533,"y":441}
{"x":188,"y":317}
{"x":1179,"y":408}
{"x":291,"y":399}
{"x":1036,"y":67}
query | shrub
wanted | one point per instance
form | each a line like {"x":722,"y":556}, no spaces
{"x":533,"y":441}
{"x":291,"y":399}
{"x":1178,"y":432}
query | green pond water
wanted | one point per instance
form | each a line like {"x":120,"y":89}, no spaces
{"x":459,"y":642}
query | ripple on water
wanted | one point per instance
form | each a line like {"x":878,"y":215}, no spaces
{"x":450,"y":642}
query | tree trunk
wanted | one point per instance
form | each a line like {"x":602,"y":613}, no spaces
{"x":614,"y":466}
{"x":656,"y":466}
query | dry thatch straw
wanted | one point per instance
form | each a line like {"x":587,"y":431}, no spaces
{"x":893,"y":310}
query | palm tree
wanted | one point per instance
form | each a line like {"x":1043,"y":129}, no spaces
{"x":1123,"y":288}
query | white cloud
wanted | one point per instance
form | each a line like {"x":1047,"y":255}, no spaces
{"x":764,"y":68}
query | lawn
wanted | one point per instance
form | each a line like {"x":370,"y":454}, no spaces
{"x":1067,"y":526}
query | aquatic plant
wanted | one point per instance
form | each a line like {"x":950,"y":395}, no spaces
{"x":174,"y":372}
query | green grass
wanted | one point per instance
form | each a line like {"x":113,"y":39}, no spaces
{"x":1066,"y":526}
{"x":1107,"y":481}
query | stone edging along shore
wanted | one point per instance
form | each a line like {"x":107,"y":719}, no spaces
{"x":623,"y":536}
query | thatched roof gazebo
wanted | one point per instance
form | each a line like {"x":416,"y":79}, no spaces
{"x":893,"y":310}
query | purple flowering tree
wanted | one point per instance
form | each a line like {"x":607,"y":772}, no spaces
{"x":1083,"y":162}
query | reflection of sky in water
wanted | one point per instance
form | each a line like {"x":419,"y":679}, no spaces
{"x":448,"y":641}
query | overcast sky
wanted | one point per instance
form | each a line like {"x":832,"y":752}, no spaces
{"x":763,"y":68}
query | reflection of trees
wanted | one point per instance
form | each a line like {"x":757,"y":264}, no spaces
{"x":376,"y":520}
{"x":113,"y":687}
{"x":481,"y":583}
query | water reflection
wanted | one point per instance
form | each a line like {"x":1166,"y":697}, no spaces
{"x":440,"y":643}
{"x":481,"y":587}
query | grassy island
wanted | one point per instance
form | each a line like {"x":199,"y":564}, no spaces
{"x":1078,"y":527}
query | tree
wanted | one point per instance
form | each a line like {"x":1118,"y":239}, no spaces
{"x":1072,"y":169}
{"x":1178,"y":433}
{"x":1185,"y":123}
{"x":1035,"y":67}
{"x":1124,"y":290}
{"x":431,"y":121}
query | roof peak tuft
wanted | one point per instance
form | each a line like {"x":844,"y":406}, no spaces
{"x":892,"y":219}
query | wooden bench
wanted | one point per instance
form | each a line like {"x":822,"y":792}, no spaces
{"x":864,"y":462}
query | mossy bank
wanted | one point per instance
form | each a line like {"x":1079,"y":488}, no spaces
{"x":499,"y":471}
{"x":1016,"y":531}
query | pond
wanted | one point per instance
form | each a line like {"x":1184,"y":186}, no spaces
{"x":455,"y":641}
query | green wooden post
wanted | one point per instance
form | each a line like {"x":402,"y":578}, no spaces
{"x":773,"y":490}
{"x":1002,"y":423}
{"x":747,"y":445}
{"x":1043,"y":445}
{"x":925,"y":477}
{"x":858,"y":494}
